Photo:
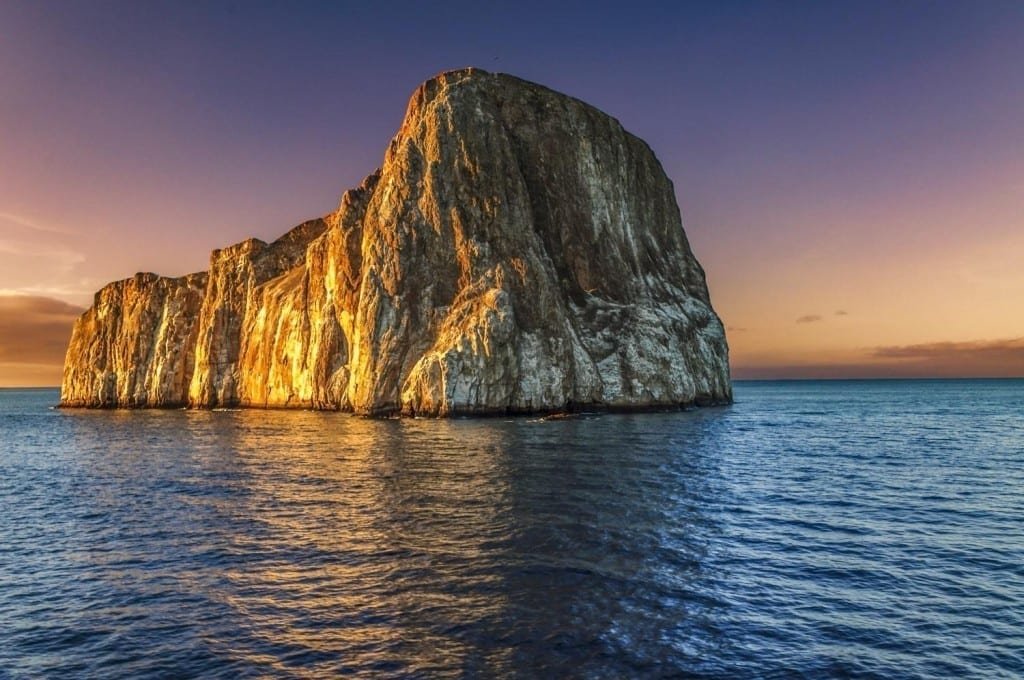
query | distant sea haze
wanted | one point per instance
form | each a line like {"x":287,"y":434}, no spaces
{"x":811,"y":529}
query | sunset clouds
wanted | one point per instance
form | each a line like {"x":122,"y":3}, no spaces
{"x":34,"y":333}
{"x":39,"y":259}
{"x":969,"y":359}
{"x":996,"y":358}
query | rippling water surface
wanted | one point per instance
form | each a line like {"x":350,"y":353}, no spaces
{"x":822,"y":529}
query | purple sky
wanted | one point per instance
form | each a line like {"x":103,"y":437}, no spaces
{"x":857,"y":157}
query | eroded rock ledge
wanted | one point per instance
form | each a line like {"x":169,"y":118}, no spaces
{"x":517,"y":252}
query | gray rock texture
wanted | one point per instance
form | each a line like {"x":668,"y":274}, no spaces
{"x":518,"y":252}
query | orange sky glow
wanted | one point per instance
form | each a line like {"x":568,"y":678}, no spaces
{"x":852,"y":180}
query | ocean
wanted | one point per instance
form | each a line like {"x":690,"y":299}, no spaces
{"x":812,"y":529}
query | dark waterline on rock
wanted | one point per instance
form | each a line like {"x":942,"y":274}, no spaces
{"x":822,"y":529}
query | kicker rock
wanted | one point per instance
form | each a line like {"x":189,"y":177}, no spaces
{"x":518,"y":251}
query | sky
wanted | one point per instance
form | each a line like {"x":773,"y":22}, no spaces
{"x":851,"y":175}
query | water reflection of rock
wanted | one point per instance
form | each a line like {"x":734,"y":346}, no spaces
{"x":413,"y":546}
{"x":369,"y":525}
{"x":607,"y":531}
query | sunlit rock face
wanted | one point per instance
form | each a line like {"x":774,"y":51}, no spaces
{"x":136,"y":345}
{"x":297,"y":328}
{"x":517,"y":252}
{"x":236,"y":289}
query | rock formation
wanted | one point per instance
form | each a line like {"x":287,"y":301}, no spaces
{"x":517,"y":252}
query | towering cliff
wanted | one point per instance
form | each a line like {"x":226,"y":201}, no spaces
{"x":518,"y":251}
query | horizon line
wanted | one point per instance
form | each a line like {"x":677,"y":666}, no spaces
{"x":735,"y":380}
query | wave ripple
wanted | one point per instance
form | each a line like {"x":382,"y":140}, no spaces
{"x":834,"y":529}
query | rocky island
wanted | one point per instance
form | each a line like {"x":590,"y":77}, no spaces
{"x":517,"y":252}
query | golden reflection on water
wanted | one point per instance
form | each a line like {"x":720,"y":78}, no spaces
{"x":316,"y":543}
{"x":368,"y":517}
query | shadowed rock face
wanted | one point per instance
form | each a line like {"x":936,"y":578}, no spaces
{"x":517,"y":252}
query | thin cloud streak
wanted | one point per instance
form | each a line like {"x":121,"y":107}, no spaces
{"x":65,"y":259}
{"x":1001,"y":358}
{"x":809,"y":318}
{"x":31,"y":224}
{"x":85,"y":291}
{"x":1011,"y":349}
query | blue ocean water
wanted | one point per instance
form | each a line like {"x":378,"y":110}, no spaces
{"x":813,"y":529}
